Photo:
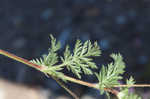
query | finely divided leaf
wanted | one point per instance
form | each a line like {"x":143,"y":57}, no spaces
{"x":51,"y":59}
{"x":124,"y":92}
{"x":109,"y":76}
{"x":130,"y":81}
{"x":81,"y":61}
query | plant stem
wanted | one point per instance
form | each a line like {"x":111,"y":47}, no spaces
{"x":81,"y":82}
{"x":22,"y":60}
{"x":135,"y":85}
{"x":93,"y":85}
{"x":40,"y":68}
{"x":67,"y":89}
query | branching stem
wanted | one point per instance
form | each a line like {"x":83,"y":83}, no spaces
{"x":92,"y":85}
{"x":67,"y":89}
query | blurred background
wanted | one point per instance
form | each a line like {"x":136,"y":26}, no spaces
{"x":118,"y":26}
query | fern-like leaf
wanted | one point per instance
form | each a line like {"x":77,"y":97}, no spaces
{"x":81,"y":61}
{"x":130,"y":81}
{"x":109,"y":76}
{"x":52,"y":57}
{"x":124,"y":92}
{"x":50,"y":60}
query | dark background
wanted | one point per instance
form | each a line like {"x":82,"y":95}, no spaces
{"x":118,"y":26}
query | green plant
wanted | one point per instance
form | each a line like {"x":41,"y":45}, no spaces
{"x":80,"y":61}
